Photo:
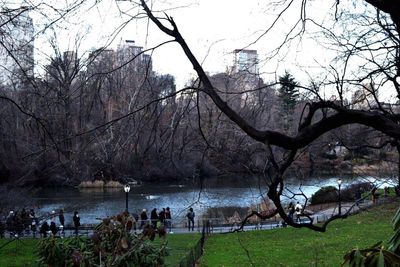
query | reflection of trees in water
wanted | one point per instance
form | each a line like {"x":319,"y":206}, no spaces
{"x":92,"y":203}
{"x":91,"y":190}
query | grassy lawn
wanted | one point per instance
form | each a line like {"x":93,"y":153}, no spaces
{"x":18,"y":253}
{"x":300,"y":247}
{"x":280,"y":247}
{"x":178,"y":246}
{"x":23,"y":253}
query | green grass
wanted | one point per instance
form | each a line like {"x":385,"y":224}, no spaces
{"x":18,"y":253}
{"x":300,"y":247}
{"x":280,"y":247}
{"x":24,"y":253}
{"x":392,"y":193}
{"x":178,"y":246}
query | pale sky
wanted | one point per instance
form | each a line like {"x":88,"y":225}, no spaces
{"x":212,"y":28}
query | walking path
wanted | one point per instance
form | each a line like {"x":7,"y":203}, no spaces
{"x":318,"y":216}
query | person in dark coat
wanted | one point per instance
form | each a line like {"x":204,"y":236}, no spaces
{"x":154,"y":218}
{"x":291,"y":210}
{"x":19,"y":223}
{"x":2,"y":229}
{"x":44,"y":228}
{"x":161,"y":216}
{"x":61,"y":218}
{"x":53,"y":228}
{"x":77,"y":222}
{"x":32,"y":214}
{"x":190,"y":215}
{"x":33,"y":221}
{"x":25,"y":221}
{"x":168,"y":219}
{"x":10,"y":221}
{"x":143,"y":218}
{"x":374,"y":195}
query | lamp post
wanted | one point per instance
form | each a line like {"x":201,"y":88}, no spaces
{"x":127,"y":188}
{"x":340,"y":198}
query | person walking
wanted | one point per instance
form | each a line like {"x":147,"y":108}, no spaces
{"x":61,"y":218}
{"x":2,"y":229}
{"x":190,"y":215}
{"x":154,"y":218}
{"x":299,"y":209}
{"x":53,"y":228}
{"x":44,"y":228}
{"x":291,"y":210}
{"x":10,"y":221}
{"x":25,"y":221}
{"x":34,"y":222}
{"x":77,"y":222}
{"x":374,"y":195}
{"x":143,"y":218}
{"x":168,"y":219}
{"x":161,"y":216}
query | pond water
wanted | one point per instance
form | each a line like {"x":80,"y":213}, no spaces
{"x":93,"y":204}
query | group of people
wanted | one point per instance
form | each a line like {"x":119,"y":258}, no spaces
{"x":157,"y":219}
{"x":163,"y":219}
{"x":20,"y":221}
{"x":45,"y":228}
{"x":24,"y":222}
{"x":295,"y":209}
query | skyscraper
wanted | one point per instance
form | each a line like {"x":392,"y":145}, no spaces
{"x":246,"y":74}
{"x":246,"y":60}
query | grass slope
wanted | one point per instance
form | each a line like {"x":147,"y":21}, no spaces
{"x":18,"y":253}
{"x":300,"y":247}
{"x":178,"y":245}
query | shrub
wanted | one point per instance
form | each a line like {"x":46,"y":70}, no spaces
{"x":112,"y":243}
{"x":329,"y":194}
{"x":348,"y":194}
{"x":324,"y":195}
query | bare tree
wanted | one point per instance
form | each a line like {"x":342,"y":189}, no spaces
{"x":108,"y":107}
{"x":334,"y":114}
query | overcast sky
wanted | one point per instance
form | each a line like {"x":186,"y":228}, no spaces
{"x":212,"y":28}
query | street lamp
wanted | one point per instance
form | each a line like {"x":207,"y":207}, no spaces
{"x":340,"y":199}
{"x":127,"y":188}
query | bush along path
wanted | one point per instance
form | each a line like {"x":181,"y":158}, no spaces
{"x":112,"y":244}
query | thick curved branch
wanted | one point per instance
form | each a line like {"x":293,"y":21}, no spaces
{"x":308,"y":133}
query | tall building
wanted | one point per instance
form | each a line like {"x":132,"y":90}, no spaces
{"x":16,"y":51}
{"x":246,"y":74}
{"x":127,"y":56}
{"x":129,"y":53}
{"x":246,"y":61}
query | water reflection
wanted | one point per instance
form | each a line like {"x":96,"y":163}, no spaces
{"x":99,"y":190}
{"x":96,"y":203}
